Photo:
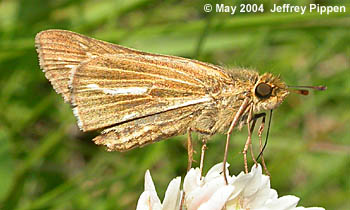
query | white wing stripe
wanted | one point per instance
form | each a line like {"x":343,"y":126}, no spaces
{"x":118,"y":91}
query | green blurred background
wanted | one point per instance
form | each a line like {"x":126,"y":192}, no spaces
{"x":47,"y":163}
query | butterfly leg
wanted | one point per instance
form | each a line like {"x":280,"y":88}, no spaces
{"x":260,"y":131}
{"x":239,"y":113}
{"x":189,"y":149}
{"x":204,"y":147}
{"x":254,"y":120}
{"x":204,"y":126}
{"x":251,"y":145}
{"x":249,"y":140}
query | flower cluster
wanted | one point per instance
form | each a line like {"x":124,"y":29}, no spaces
{"x":246,"y":191}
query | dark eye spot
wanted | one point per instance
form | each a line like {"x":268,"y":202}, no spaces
{"x":263,"y":90}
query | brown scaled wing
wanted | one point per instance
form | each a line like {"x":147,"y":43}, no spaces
{"x":136,"y":97}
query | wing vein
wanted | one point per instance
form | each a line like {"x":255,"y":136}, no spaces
{"x":164,"y":67}
{"x":146,"y":74}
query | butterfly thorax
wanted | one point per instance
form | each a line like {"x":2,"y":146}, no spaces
{"x":264,"y":92}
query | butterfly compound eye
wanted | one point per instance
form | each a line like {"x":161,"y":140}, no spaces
{"x":263,"y":90}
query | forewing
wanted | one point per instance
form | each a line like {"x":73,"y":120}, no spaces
{"x":111,"y":90}
{"x":61,"y":52}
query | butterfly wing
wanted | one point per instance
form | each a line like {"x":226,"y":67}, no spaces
{"x":124,"y":91}
{"x":112,"y":90}
{"x":150,"y":129}
{"x":60,"y":52}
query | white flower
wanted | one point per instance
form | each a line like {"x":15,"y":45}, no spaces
{"x":149,"y":199}
{"x":246,"y":191}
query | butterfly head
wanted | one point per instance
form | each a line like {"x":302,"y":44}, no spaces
{"x":268,"y":92}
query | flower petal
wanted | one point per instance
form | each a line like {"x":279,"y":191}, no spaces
{"x":240,"y":182}
{"x":145,"y":202}
{"x":218,"y":200}
{"x":149,"y":187}
{"x":287,"y":202}
{"x":263,"y":194}
{"x":202,"y":194}
{"x":216,"y":171}
{"x":310,"y":208}
{"x":255,"y":182}
{"x":192,"y":180}
{"x":172,"y":197}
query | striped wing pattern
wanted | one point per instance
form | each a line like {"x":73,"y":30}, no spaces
{"x":61,"y":51}
{"x":143,"y":131}
{"x":105,"y":96}
{"x":131,"y":94}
